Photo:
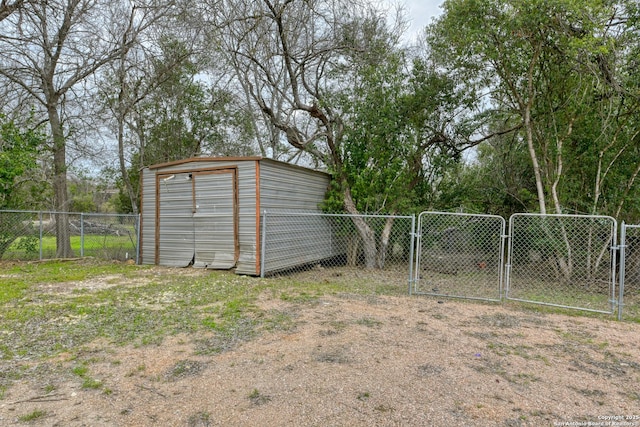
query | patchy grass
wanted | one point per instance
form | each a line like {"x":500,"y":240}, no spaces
{"x":55,"y":307}
{"x":184,"y":368}
{"x":91,"y":245}
{"x":32,"y":416}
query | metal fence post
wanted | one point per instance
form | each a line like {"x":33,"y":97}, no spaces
{"x":614,"y":298}
{"x":138,"y":234}
{"x":263,"y":243}
{"x":623,"y":244}
{"x":81,"y":235}
{"x":40,"y":218}
{"x":504,"y":255}
{"x":411,"y":252}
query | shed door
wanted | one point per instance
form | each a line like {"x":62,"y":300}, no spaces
{"x":215,"y":219}
{"x":174,"y":232}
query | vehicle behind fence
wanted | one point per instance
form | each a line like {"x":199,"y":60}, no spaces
{"x":31,"y":235}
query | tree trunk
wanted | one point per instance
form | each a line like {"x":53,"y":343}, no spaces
{"x":366,"y":233}
{"x":384,"y":242}
{"x":534,"y":160}
{"x":353,"y":248}
{"x":61,"y":200}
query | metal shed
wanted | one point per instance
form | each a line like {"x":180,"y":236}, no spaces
{"x":206,"y":211}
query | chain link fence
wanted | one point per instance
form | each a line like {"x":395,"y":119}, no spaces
{"x":348,"y":244}
{"x":32,"y":235}
{"x":459,"y":255}
{"x":563,"y":260}
{"x":559,"y":260}
{"x":629,"y":293}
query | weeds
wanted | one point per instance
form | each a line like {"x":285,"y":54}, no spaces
{"x":32,"y":416}
{"x":88,"y":383}
{"x":369,"y":322}
{"x":199,"y":419}
{"x":257,"y":398}
{"x":363,"y":396}
{"x":183,"y":369}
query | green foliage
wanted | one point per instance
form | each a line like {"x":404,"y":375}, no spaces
{"x":32,"y":416}
{"x":121,"y":201}
{"x":498,"y":181}
{"x":18,"y":158}
{"x":557,"y":75}
{"x":399,"y":134}
{"x":185,"y":117}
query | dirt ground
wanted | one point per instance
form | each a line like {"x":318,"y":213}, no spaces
{"x":357,"y":361}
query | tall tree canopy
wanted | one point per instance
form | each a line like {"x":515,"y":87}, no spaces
{"x":556,"y":70}
{"x":333,"y":80}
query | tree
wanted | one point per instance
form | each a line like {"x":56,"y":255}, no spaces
{"x":18,"y":154}
{"x":498,"y":180}
{"x":400,"y":133}
{"x":126,"y":84}
{"x":526,"y":54}
{"x":315,"y":69}
{"x":18,"y":159}
{"x":57,"y":46}
{"x":165,"y":105}
{"x":187,"y":116}
{"x":7,"y":8}
{"x":552,"y":70}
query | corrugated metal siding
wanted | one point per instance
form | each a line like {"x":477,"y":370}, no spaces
{"x":283,"y":187}
{"x":176,"y":229}
{"x":247,"y":217}
{"x":214,"y":220}
{"x":294,"y":240}
{"x":148,"y":211}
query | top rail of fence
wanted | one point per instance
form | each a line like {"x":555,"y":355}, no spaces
{"x":335,"y":215}
{"x":67,"y":213}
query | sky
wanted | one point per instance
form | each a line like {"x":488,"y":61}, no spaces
{"x":419,"y":13}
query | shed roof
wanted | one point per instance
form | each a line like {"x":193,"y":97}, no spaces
{"x":233,"y":159}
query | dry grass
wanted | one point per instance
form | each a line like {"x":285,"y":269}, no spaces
{"x":304,"y":350}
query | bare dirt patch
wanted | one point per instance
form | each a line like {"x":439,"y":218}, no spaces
{"x":352,"y":360}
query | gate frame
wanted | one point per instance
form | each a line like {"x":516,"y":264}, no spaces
{"x":617,"y":250}
{"x":623,"y":264}
{"x":612,"y":248}
{"x":418,"y":250}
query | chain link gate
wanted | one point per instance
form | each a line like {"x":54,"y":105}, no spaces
{"x":629,"y":267}
{"x":459,"y":255}
{"x":564,"y":261}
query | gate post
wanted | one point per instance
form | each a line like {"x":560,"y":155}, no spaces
{"x":623,"y":244}
{"x":411,"y":252}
